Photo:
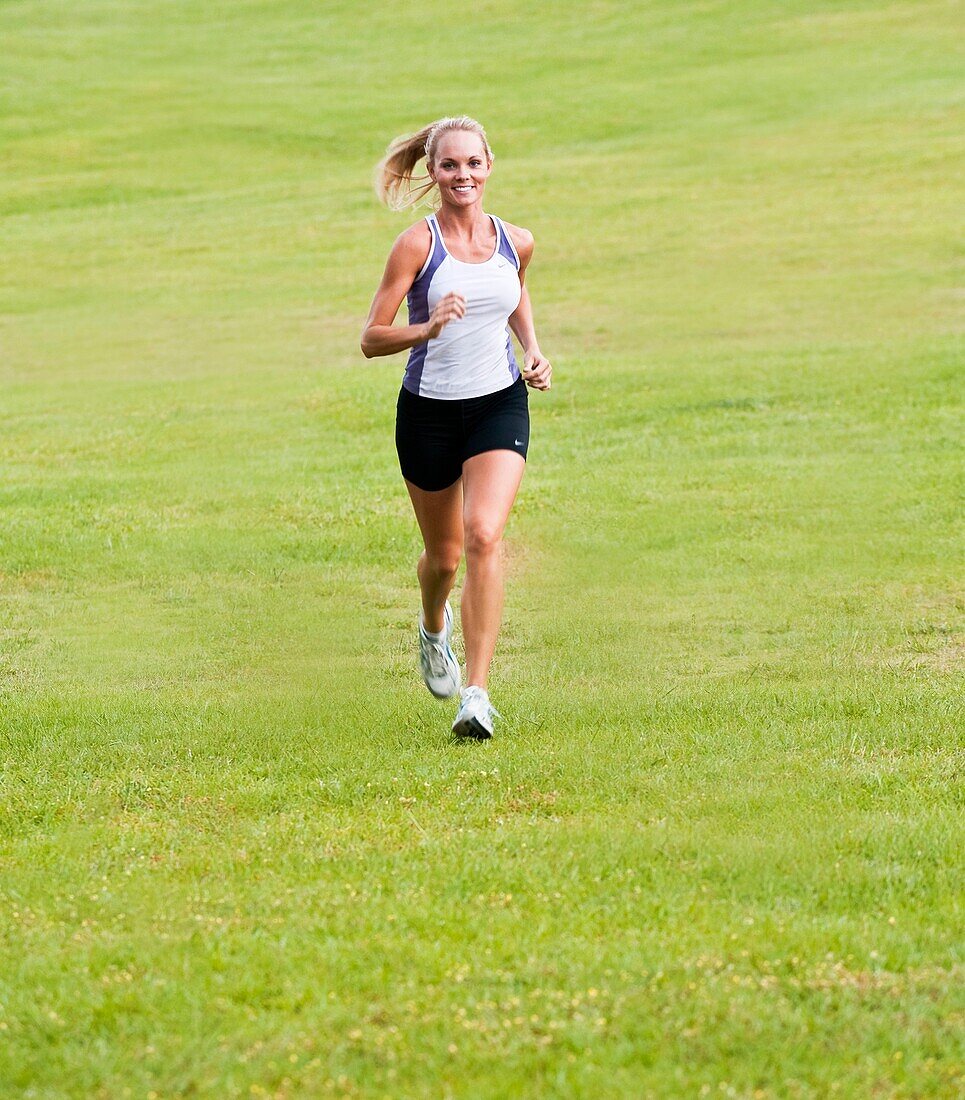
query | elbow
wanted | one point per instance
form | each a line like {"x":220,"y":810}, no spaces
{"x":366,"y":345}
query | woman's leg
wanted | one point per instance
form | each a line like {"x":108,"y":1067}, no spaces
{"x":490,"y":481}
{"x":439,"y":515}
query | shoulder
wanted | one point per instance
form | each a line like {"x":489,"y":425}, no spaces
{"x":413,"y":241}
{"x":523,"y":241}
{"x":409,"y":251}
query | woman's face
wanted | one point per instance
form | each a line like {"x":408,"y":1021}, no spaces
{"x":461,"y":167}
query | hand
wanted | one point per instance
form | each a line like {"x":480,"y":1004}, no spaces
{"x":449,"y":308}
{"x":536,"y":370}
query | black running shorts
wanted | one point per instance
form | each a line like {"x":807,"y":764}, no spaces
{"x":435,"y":437}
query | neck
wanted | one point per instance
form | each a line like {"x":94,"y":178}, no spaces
{"x":463,"y":219}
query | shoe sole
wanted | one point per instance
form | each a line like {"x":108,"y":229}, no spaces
{"x":471,"y":728}
{"x":436,"y":695}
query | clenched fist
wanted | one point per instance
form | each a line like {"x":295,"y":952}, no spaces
{"x":449,"y":308}
{"x":536,"y":370}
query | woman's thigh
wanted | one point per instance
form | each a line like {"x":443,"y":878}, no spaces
{"x":490,"y":483}
{"x":439,"y":515}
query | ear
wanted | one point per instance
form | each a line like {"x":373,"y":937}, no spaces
{"x":429,"y":169}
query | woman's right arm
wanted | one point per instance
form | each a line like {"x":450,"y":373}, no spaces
{"x":380,"y":336}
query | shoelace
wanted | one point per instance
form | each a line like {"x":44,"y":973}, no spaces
{"x":435,"y":654}
{"x":472,"y":695}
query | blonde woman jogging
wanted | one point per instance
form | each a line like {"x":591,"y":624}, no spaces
{"x":462,"y":419}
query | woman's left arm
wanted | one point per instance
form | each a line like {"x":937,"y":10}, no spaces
{"x":536,"y":367}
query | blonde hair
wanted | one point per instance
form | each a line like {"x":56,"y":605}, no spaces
{"x":395,"y":183}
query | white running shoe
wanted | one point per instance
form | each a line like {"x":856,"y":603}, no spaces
{"x":440,"y":669}
{"x":476,"y":713}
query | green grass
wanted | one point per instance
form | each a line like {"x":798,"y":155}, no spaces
{"x":715,"y":848}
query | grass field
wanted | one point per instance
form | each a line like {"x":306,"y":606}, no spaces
{"x":716,"y":846}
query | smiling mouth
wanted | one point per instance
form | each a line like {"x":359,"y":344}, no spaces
{"x":463,"y":187}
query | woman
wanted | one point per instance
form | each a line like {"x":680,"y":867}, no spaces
{"x":462,"y":419}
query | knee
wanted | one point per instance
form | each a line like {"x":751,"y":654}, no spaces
{"x":482,"y":539}
{"x":444,"y":559}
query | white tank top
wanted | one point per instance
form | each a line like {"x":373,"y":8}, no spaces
{"x":472,"y":356}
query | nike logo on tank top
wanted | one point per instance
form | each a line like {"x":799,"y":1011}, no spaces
{"x":473,"y":355}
